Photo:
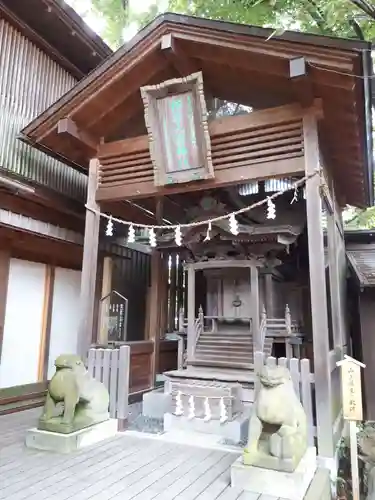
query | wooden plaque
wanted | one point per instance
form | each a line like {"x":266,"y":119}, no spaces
{"x":351,"y":391}
{"x":176,"y":121}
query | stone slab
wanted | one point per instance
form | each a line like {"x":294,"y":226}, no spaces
{"x":156,"y":404}
{"x":235,"y":431}
{"x":68,"y":443}
{"x":286,"y":485}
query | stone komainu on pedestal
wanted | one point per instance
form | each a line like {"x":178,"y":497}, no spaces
{"x":278,"y":426}
{"x":75,"y":400}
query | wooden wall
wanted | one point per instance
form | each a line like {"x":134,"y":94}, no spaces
{"x":363,"y":340}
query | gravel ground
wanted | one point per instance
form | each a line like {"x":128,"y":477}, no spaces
{"x":137,"y":422}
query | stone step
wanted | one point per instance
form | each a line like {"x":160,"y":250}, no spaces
{"x":227,"y":349}
{"x":226,"y":338}
{"x":225,"y":343}
{"x":225,"y":357}
{"x":222,"y":364}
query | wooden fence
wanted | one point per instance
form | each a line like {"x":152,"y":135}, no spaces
{"x":302,"y":379}
{"x":112,"y":367}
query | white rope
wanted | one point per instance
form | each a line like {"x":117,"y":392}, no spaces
{"x":206,"y":222}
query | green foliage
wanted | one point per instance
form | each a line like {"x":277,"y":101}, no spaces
{"x":116,"y":14}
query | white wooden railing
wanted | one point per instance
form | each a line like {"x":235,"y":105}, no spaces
{"x":112,"y":368}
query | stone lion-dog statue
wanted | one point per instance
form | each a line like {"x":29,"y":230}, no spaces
{"x":278,"y":427}
{"x":75,"y":400}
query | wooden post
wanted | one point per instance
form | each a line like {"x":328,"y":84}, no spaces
{"x":89,"y":264}
{"x":334,"y":283}
{"x":191,"y":313}
{"x":254,"y":291}
{"x":106,"y":290}
{"x":156,"y":298}
{"x":154,"y":324}
{"x":269,"y":295}
{"x":323,"y":389}
{"x":123,"y":386}
{"x":45,"y":337}
{"x":4,"y":278}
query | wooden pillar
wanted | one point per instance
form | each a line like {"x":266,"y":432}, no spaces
{"x":4,"y":278}
{"x":269,"y":295}
{"x":105,"y":290}
{"x":45,"y":337}
{"x":334,"y":284}
{"x":322,"y":373}
{"x":255,"y":313}
{"x":154,"y":322}
{"x":191,"y":313}
{"x":89,"y":264}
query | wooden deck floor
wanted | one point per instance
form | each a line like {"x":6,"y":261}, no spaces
{"x":125,"y":467}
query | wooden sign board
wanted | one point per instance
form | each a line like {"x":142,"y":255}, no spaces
{"x":351,"y":391}
{"x":176,"y":121}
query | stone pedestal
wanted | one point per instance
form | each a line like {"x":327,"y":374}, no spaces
{"x":234,"y":431}
{"x":156,"y":404}
{"x":286,"y":485}
{"x":67,"y":443}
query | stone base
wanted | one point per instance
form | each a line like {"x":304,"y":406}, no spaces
{"x":235,"y":431}
{"x":286,"y":485}
{"x":80,"y":422}
{"x":156,"y":404}
{"x":262,"y":458}
{"x":67,"y":443}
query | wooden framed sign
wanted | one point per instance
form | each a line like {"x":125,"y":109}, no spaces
{"x":351,"y":387}
{"x":176,"y":121}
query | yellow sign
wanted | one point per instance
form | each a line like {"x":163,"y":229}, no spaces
{"x":351,"y":388}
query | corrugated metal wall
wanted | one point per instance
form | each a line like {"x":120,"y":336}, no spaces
{"x":29,"y":83}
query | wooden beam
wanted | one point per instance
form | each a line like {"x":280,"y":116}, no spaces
{"x":255,"y":312}
{"x":45,"y":336}
{"x":68,"y":128}
{"x":89,"y":264}
{"x":190,"y":312}
{"x":225,"y":177}
{"x":219,"y":46}
{"x":155,"y":300}
{"x":319,"y":313}
{"x":302,"y":85}
{"x":4,"y":278}
{"x":183,"y":64}
{"x":105,"y":290}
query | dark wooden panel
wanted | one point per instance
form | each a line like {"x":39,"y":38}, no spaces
{"x":168,"y":355}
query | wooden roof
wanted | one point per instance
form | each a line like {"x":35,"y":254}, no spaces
{"x":239,"y":64}
{"x":58,"y":30}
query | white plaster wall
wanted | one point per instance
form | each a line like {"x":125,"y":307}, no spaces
{"x":65,"y":315}
{"x":23,"y":323}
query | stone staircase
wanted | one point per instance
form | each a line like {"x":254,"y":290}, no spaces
{"x":227,"y":348}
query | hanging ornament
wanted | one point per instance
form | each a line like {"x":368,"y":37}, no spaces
{"x":207,"y":410}
{"x":152,"y":237}
{"x":233,"y":224}
{"x":109,"y":229}
{"x":191,"y":414}
{"x":223,"y":412}
{"x":271,"y":209}
{"x":208,"y":235}
{"x":295,"y":195}
{"x":179,"y":406}
{"x":131,"y":234}
{"x":178,"y":236}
